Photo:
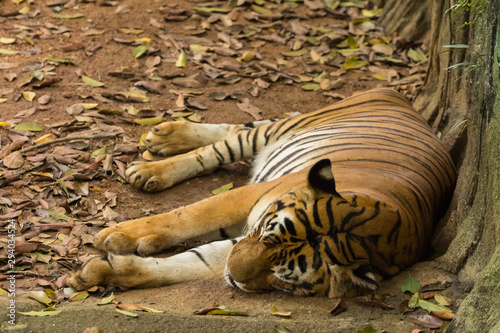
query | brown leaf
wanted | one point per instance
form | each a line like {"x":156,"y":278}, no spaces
{"x":426,"y":320}
{"x":26,"y":113}
{"x":446,"y":315}
{"x":404,"y":308}
{"x":368,"y":300}
{"x":14,"y":160}
{"x":22,"y":247}
{"x":437,"y":286}
{"x":193,"y":103}
{"x":250,"y":109}
{"x":73,"y":47}
{"x":187,"y":82}
{"x":153,"y":87}
{"x":340,"y":306}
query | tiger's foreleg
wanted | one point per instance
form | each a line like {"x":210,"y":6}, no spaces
{"x":152,"y":234}
{"x":206,"y":261}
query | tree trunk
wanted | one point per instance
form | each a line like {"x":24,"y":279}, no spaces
{"x":459,"y":99}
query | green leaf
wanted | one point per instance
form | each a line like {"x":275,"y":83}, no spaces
{"x":346,"y":52}
{"x":410,"y":284}
{"x":149,"y":121}
{"x":212,"y":9}
{"x":59,"y":216}
{"x":413,"y":301}
{"x":60,"y":60}
{"x":281,"y":328}
{"x":324,"y":75}
{"x":223,"y":188}
{"x":295,"y":53}
{"x":181,"y":60}
{"x":140,"y":50}
{"x":311,"y":87}
{"x":8,"y":52}
{"x":127,"y":313}
{"x":353,"y":3}
{"x":426,"y":305}
{"x":107,"y":300}
{"x":63,"y":186}
{"x":40,"y":257}
{"x":261,"y":10}
{"x":41,"y":313}
{"x":369,"y":329}
{"x":456,"y":46}
{"x":91,"y":82}
{"x":39,"y":296}
{"x":354,"y":63}
{"x":351,"y":42}
{"x":99,"y":152}
{"x":68,"y":16}
{"x":32,"y":127}
{"x":313,"y":40}
{"x":195,"y":117}
{"x":416,"y":56}
{"x":371,"y":13}
{"x":80,"y":296}
{"x":28,"y":95}
{"x":389,"y":59}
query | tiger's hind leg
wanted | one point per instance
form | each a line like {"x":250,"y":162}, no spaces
{"x":176,"y":137}
{"x":204,"y":262}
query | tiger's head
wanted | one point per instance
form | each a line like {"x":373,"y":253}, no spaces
{"x":306,"y":243}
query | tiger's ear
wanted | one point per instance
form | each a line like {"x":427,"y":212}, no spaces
{"x":321,"y":178}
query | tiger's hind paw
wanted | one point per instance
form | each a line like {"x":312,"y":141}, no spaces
{"x":148,"y":176}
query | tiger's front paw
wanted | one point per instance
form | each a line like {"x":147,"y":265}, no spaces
{"x":137,"y":236}
{"x":149,"y":176}
{"x":123,"y":271}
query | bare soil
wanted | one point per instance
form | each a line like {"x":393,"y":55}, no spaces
{"x":102,"y":52}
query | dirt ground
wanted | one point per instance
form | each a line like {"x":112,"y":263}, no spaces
{"x":242,"y":73}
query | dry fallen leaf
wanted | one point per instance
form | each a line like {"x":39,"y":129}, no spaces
{"x":340,"y":306}
{"x":14,"y":160}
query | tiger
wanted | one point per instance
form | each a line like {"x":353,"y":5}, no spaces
{"x":338,"y":200}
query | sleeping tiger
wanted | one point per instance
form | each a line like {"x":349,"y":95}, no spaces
{"x":338,"y":200}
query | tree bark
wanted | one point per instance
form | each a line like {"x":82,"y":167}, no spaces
{"x":460,"y":102}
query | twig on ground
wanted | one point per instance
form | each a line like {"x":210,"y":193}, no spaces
{"x":90,"y":137}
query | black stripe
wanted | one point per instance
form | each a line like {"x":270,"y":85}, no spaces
{"x":200,"y":256}
{"x":350,"y":216}
{"x":242,"y":150}
{"x":219,"y":156}
{"x":290,"y":227}
{"x":302,"y":263}
{"x":230,"y":151}
{"x":316,"y":218}
{"x":330,"y":255}
{"x":375,"y":214}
